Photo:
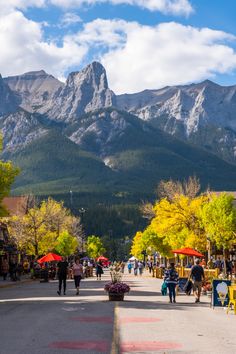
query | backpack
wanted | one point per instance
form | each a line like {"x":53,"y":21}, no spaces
{"x":172,"y":275}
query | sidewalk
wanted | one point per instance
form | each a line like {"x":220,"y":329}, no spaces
{"x":9,"y":283}
{"x":146,"y":322}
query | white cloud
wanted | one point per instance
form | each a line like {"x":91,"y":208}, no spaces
{"x":175,"y":7}
{"x":23,"y":48}
{"x":136,"y":57}
{"x":139,"y":57}
{"x":69,"y":19}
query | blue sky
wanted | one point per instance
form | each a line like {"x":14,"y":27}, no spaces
{"x":141,"y":43}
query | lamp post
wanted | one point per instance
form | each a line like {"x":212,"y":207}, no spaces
{"x":82,"y":211}
{"x":144,"y":253}
{"x":71,"y":199}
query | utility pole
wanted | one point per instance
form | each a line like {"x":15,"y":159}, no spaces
{"x":82,"y":211}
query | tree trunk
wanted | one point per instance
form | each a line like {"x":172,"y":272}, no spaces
{"x":224,"y":258}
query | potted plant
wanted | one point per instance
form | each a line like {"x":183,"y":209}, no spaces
{"x":116,"y":289}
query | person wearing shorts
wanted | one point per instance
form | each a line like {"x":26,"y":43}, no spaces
{"x":197,"y":276}
{"x":77,"y":270}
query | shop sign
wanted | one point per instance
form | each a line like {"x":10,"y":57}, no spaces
{"x":220,"y":292}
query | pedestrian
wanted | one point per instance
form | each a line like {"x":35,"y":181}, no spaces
{"x":129,"y":267}
{"x":99,"y":270}
{"x":19,"y":270}
{"x":135,"y":267}
{"x":171,"y":278}
{"x":62,"y":271}
{"x":5,"y":268}
{"x":197,"y":276}
{"x":26,"y":266}
{"x":140,"y":267}
{"x":122,"y":267}
{"x":78,"y":273}
{"x":12,"y":270}
{"x":150,"y":266}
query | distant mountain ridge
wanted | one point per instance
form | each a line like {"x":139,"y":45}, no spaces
{"x":123,"y":144}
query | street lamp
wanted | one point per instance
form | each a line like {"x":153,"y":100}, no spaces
{"x":71,"y":199}
{"x":82,"y":211}
{"x":144,"y":253}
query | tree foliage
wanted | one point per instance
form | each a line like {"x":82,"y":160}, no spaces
{"x":66,"y":244}
{"x":38,"y":231}
{"x":170,"y":189}
{"x":7,"y":176}
{"x":219,"y":220}
{"x":95,"y":246}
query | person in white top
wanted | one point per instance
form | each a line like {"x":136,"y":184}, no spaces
{"x":77,"y":270}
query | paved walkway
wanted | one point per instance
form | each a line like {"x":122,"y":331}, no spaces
{"x":34,"y":320}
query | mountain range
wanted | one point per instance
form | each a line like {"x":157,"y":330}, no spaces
{"x":79,"y":136}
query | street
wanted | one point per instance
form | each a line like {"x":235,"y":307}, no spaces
{"x":35,"y":320}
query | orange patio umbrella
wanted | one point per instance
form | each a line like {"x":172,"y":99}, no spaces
{"x":49,"y":258}
{"x":188,"y":252}
{"x":102,"y":258}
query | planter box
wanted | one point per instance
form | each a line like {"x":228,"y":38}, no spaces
{"x":116,"y":296}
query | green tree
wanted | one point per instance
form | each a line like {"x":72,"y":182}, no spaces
{"x":37,"y":232}
{"x":219,"y":220}
{"x":7,"y":176}
{"x":95,"y":246}
{"x":66,"y":244}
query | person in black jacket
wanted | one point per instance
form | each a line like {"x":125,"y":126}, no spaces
{"x":171,"y":278}
{"x":62,"y":271}
{"x":99,"y":270}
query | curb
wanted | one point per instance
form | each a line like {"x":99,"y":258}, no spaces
{"x":15,"y":283}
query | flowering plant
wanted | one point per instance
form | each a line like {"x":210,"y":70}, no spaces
{"x":117,"y":287}
{"x":207,"y":287}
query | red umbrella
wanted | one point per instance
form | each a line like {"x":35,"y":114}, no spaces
{"x":188,"y":252}
{"x":102,"y":258}
{"x":49,"y":258}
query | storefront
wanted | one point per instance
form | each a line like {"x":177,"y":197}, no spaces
{"x":7,"y":250}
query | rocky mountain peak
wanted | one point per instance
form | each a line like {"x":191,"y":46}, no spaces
{"x":93,"y":73}
{"x":36,"y":89}
{"x":8,"y":100}
{"x":85,"y":91}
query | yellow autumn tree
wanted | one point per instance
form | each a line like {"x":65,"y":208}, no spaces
{"x":137,"y":245}
{"x":178,"y":222}
{"x":38,"y":231}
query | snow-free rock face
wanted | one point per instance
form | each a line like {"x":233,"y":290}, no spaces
{"x":84,"y":91}
{"x":9,"y":101}
{"x":36,"y":89}
{"x":203,"y":114}
{"x":20,"y":129}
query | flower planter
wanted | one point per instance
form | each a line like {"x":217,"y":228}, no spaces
{"x":116,"y":296}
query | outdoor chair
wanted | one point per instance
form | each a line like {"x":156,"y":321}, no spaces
{"x":232,"y":298}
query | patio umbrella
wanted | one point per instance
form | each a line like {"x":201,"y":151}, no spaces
{"x":132,"y":259}
{"x":49,"y":258}
{"x":102,"y":258}
{"x":188,"y":252}
{"x":85,"y":259}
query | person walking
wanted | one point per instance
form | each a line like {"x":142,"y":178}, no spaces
{"x":99,"y":270}
{"x":171,"y":278}
{"x":197,"y":276}
{"x":5,"y":268}
{"x":140,"y":268}
{"x":77,"y":270}
{"x":135,"y":267}
{"x":62,"y":271}
{"x":129,"y":267}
